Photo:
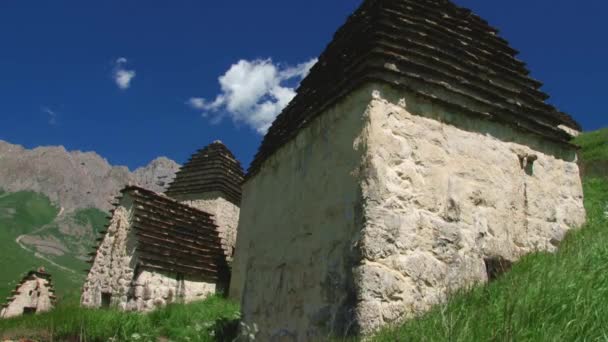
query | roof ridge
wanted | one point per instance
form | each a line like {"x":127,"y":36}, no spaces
{"x":162,"y":196}
{"x":213,"y":162}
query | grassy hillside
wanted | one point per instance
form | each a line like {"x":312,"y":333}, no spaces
{"x":594,"y":145}
{"x":33,"y":215}
{"x":594,"y":153}
{"x":546,"y":297}
{"x":22,"y":213}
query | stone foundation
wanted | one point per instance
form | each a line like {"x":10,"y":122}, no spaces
{"x":151,"y":290}
{"x":383,"y":205}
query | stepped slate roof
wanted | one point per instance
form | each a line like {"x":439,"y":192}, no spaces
{"x":214,"y":168}
{"x":32,"y":275}
{"x":174,"y":237}
{"x":433,"y":49}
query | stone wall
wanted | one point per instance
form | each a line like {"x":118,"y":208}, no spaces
{"x":226,"y":215}
{"x":383,"y":205}
{"x":442,"y":198}
{"x":300,"y":220}
{"x":151,"y":290}
{"x":114,"y":265}
{"x":33,"y":294}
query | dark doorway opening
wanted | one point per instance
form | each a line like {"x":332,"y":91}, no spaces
{"x":497,"y":266}
{"x":29,"y":311}
{"x":106,"y":300}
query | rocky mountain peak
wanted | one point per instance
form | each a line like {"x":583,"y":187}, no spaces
{"x":76,"y":179}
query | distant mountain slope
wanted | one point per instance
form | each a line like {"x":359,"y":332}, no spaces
{"x":74,"y":179}
{"x":26,"y":213}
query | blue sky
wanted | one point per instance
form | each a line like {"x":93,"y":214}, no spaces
{"x":131,"y":79}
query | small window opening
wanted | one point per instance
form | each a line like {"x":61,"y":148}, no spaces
{"x":31,"y":292}
{"x":530,"y":166}
{"x":527,"y":163}
{"x":29,"y":311}
{"x":106,"y":300}
{"x":496,"y":267}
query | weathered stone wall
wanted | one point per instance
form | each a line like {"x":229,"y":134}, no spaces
{"x":298,"y":230}
{"x":114,"y":272}
{"x":114,"y":265}
{"x":33,"y":294}
{"x":151,"y":290}
{"x":441,"y":198}
{"x":383,"y":205}
{"x":226,"y":215}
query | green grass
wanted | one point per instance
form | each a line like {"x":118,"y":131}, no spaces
{"x":594,"y":145}
{"x":93,"y":217}
{"x":26,"y":211}
{"x":176,"y":322}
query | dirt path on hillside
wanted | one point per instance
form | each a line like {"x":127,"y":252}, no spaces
{"x":38,"y":255}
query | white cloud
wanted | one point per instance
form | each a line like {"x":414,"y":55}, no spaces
{"x":122,"y":76}
{"x":52,"y":115}
{"x":253,"y":92}
{"x":197,"y":103}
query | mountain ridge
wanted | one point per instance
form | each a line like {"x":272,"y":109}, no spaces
{"x":76,"y":179}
